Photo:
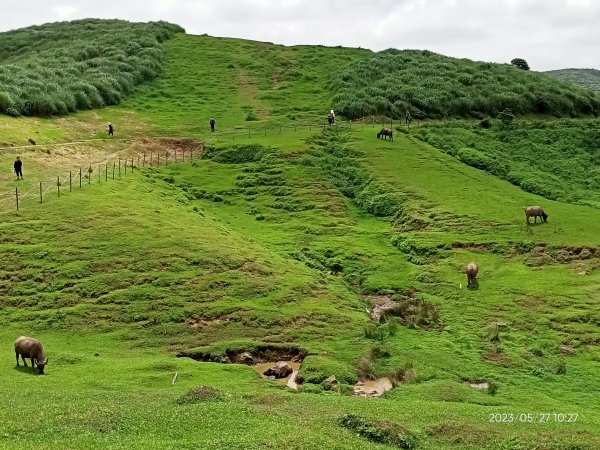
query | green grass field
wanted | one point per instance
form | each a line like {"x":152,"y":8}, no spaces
{"x":263,"y":242}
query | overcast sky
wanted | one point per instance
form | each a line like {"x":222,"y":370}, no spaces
{"x":549,"y":34}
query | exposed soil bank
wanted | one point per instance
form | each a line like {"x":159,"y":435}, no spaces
{"x":256,"y":355}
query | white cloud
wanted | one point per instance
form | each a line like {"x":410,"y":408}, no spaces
{"x":64,"y":12}
{"x":549,"y":34}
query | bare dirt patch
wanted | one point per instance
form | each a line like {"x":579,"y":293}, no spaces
{"x":373,"y":388}
{"x":183,"y":146}
{"x":289,"y":380}
{"x":200,"y":323}
{"x":496,"y":355}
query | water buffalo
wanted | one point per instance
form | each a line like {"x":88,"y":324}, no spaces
{"x":31,"y":348}
{"x":471,"y":271}
{"x":535,"y":212}
{"x":385,"y":132}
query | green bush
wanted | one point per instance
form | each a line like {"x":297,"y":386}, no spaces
{"x":58,"y":68}
{"x":382,"y":432}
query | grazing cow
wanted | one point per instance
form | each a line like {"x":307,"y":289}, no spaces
{"x":385,"y":132}
{"x":535,"y":211}
{"x":472,"y":270}
{"x":31,"y":348}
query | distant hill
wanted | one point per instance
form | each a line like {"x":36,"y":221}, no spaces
{"x":430,"y":85}
{"x":68,"y":66}
{"x":587,"y":78}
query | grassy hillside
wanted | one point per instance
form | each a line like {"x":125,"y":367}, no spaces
{"x":587,"y":78}
{"x":559,"y":160}
{"x":283,"y":240}
{"x":64,"y":67}
{"x":426,"y":84}
{"x":239,"y":83}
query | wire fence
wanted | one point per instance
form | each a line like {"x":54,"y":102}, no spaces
{"x":77,"y":178}
{"x":119,"y":165}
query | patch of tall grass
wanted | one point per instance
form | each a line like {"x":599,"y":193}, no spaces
{"x":429,"y":85}
{"x":58,"y":68}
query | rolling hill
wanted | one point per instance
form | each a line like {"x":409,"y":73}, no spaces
{"x":587,"y":78}
{"x":279,"y":237}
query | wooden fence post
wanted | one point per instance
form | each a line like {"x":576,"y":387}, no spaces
{"x":58,"y":185}
{"x":80,"y":177}
{"x":41,"y":198}
{"x":105,"y":172}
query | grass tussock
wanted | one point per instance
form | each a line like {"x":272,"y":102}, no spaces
{"x":201,"y":394}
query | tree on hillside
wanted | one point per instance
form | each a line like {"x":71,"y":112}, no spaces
{"x":520,"y":63}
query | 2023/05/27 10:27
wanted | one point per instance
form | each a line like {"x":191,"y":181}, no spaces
{"x":539,"y":417}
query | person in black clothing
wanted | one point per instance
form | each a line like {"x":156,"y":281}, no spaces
{"x":18,"y":168}
{"x":212,"y":124}
{"x":111,"y":129}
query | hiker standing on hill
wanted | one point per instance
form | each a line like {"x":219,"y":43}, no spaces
{"x":329,"y":119}
{"x":111,"y":129}
{"x":18,"y":168}
{"x":212,"y":124}
{"x":332,"y":116}
{"x":408,"y":118}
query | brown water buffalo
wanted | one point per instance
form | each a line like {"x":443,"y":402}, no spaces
{"x":385,"y":132}
{"x":471,"y":271}
{"x":535,"y":212}
{"x":31,"y":348}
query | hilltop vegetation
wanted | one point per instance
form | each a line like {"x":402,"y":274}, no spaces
{"x":429,"y":85}
{"x":587,"y":78}
{"x":64,"y":67}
